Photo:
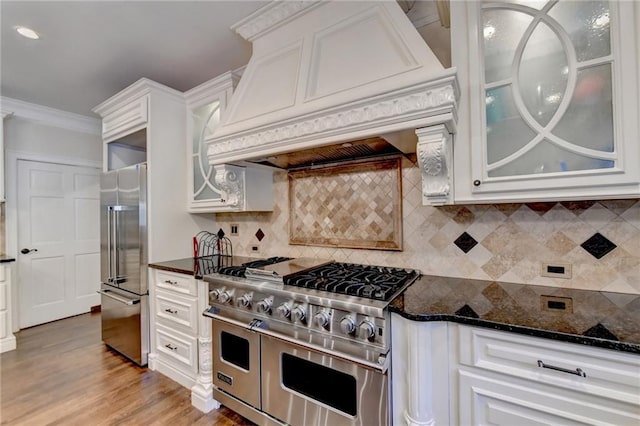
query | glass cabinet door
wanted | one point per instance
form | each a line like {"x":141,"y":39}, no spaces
{"x":204,"y":120}
{"x":548,"y":92}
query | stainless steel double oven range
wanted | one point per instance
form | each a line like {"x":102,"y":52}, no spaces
{"x":303,"y":341}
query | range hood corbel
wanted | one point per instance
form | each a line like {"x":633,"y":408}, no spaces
{"x":328,"y":72}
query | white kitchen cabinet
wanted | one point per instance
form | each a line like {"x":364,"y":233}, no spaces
{"x":504,"y":379}
{"x":173,"y":326}
{"x":224,"y":187}
{"x":7,"y":339}
{"x":127,"y":119}
{"x":180,"y":344}
{"x":549,"y":104}
{"x":449,"y":373}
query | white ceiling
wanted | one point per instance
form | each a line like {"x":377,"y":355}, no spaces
{"x":91,"y":50}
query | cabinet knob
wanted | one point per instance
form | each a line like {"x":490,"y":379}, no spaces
{"x":476,"y":182}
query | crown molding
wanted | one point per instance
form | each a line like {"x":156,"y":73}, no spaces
{"x":271,"y":16}
{"x":204,"y":91}
{"x":134,"y":91}
{"x":50,"y":116}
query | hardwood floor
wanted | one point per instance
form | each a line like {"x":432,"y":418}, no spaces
{"x":62,"y":374}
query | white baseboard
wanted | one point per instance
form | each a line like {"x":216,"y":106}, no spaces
{"x":8,"y":344}
{"x":202,"y":399}
{"x":171,"y":372}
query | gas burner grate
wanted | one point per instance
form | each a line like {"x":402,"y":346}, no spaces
{"x":239,"y":271}
{"x":371,"y":282}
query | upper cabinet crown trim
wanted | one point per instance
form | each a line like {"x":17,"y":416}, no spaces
{"x":140,"y":88}
{"x":206,"y":90}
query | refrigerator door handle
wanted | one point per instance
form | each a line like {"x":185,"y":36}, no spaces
{"x":110,"y":243}
{"x":116,"y":246}
{"x":117,"y":278}
{"x":108,"y":294}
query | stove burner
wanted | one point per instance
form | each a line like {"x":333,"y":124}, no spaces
{"x":239,"y":271}
{"x":371,"y":282}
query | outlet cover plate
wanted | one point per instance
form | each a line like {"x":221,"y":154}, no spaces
{"x":556,"y":270}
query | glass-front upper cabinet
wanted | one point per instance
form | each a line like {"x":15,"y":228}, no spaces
{"x":225,"y":187}
{"x":204,"y":120}
{"x":205,"y":103}
{"x":553,"y":100}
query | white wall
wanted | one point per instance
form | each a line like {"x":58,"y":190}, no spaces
{"x":40,"y":139}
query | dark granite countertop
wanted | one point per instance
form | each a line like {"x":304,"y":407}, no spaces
{"x":608,"y":320}
{"x":6,"y":259}
{"x":200,"y":266}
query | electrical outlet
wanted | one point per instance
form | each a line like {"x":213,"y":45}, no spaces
{"x":556,"y":270}
{"x":556,"y":304}
{"x":234,"y":229}
{"x":255,"y":248}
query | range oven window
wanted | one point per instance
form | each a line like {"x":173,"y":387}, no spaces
{"x":323,"y":384}
{"x":234,"y":350}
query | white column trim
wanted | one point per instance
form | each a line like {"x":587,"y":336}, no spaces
{"x":202,"y":391}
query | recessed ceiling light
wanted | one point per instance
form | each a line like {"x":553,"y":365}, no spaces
{"x":27,"y":32}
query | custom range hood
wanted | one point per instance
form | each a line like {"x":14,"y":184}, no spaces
{"x":335,"y":73}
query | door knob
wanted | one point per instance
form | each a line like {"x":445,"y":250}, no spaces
{"x":27,"y":251}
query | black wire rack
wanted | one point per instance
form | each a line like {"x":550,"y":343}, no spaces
{"x":208,"y":244}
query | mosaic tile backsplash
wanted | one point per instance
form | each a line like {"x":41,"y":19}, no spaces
{"x":511,"y":240}
{"x":361,"y":206}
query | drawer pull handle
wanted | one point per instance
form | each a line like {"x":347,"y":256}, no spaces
{"x":171,"y":311}
{"x":171,"y":282}
{"x":171,"y":347}
{"x":577,"y":371}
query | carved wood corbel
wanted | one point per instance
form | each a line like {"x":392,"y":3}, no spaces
{"x":435,"y":155}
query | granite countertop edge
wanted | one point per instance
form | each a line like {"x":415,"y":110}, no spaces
{"x":162,"y":267}
{"x":535,"y":332}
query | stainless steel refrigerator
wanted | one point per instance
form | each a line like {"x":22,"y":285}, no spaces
{"x":123,"y":262}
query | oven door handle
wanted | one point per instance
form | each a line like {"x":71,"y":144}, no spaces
{"x":381,"y":367}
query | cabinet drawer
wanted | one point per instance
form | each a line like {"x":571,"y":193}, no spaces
{"x":180,"y":283}
{"x":607,"y":372}
{"x":177,"y":349}
{"x":487,"y":398}
{"x":2,"y":273}
{"x":174,"y":310}
{"x":125,"y":119}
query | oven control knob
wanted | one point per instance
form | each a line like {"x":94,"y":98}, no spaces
{"x":245,"y":300}
{"x":264,"y":306}
{"x":214,"y":294}
{"x":366,"y":330}
{"x":321,"y":319}
{"x":225,"y":296}
{"x":299,"y":313}
{"x":347,"y":325}
{"x":284,"y":311}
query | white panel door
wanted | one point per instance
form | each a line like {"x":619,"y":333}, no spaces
{"x":58,"y":222}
